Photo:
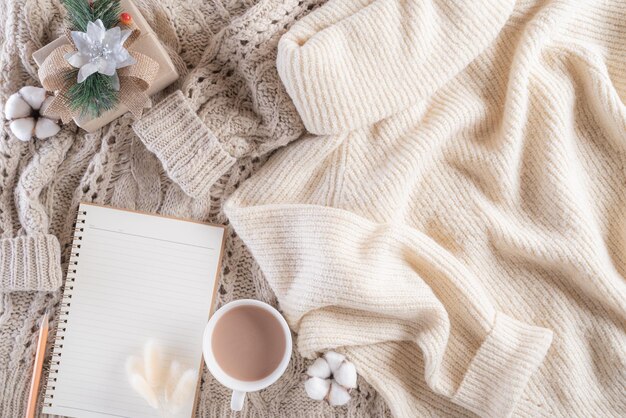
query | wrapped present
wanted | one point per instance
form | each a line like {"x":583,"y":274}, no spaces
{"x":100,"y":72}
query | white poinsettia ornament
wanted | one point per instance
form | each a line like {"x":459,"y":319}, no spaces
{"x":100,"y":51}
{"x":25,"y":109}
{"x":331,"y":378}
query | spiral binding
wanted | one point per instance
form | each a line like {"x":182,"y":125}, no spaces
{"x":64,"y":310}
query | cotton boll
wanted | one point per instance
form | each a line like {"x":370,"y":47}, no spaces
{"x":317,"y":388}
{"x":153,"y":364}
{"x":334,"y":360}
{"x":319,"y":368}
{"x":338,"y":395}
{"x":332,"y":377}
{"x":19,"y":108}
{"x":23,"y":128}
{"x":34,"y":96}
{"x":142,"y":387}
{"x":45,"y":128}
{"x":346,"y":375}
{"x":16,"y":107}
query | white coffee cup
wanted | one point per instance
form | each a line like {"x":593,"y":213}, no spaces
{"x":241,"y":387}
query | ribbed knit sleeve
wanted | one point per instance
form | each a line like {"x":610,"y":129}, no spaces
{"x":231,"y":106}
{"x":30,"y":255}
{"x":188,"y":150}
{"x":30,"y":263}
{"x":354,"y":63}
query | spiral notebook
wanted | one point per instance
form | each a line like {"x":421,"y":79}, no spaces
{"x":132,"y":277}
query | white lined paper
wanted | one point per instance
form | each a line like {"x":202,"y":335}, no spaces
{"x":138,"y":276}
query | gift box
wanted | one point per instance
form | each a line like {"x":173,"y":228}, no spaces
{"x":147,"y":43}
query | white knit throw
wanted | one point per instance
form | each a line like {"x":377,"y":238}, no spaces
{"x":457,"y":227}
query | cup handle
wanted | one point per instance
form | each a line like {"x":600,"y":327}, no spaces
{"x":236,"y":401}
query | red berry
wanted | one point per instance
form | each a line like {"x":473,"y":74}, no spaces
{"x":126,"y":18}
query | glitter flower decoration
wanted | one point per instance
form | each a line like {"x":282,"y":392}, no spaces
{"x":100,"y":51}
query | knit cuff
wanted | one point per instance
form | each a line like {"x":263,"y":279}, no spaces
{"x":500,"y":371}
{"x":188,"y":150}
{"x":30,"y":263}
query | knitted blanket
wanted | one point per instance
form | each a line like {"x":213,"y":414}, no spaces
{"x":230,"y":111}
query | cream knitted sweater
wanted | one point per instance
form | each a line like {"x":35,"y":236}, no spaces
{"x":456,"y":225}
{"x":208,"y":132}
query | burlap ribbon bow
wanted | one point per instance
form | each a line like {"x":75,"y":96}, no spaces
{"x":134,"y":79}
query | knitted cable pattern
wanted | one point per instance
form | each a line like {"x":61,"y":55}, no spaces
{"x":235,"y":111}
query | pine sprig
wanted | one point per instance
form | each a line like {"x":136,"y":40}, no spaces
{"x":108,"y":11}
{"x":81,"y":12}
{"x":94,"y":96}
